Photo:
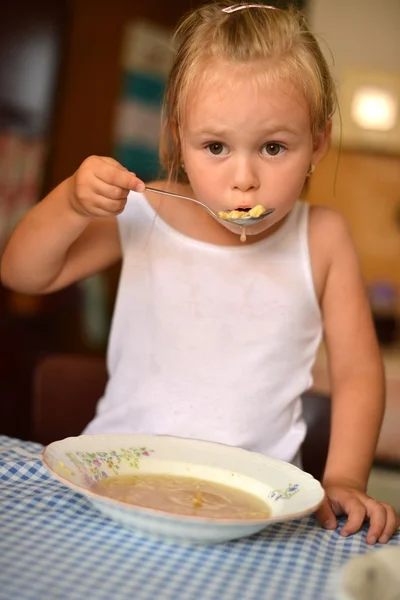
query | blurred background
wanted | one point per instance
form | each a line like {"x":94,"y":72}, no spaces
{"x":82,"y":77}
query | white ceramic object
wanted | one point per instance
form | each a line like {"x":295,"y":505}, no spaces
{"x":80,"y":461}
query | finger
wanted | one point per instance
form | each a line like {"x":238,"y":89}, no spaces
{"x":136,"y":185}
{"x":356,"y":513}
{"x":105,"y":207}
{"x":325,"y":515}
{"x":94,"y":162}
{"x":378,"y":516}
{"x":111,"y":192}
{"x":118,"y":177}
{"x":392,"y":523}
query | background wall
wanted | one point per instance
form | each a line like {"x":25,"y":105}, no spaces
{"x":363,"y":185}
{"x":363,"y":33}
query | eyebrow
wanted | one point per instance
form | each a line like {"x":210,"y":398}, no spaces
{"x":222,"y":133}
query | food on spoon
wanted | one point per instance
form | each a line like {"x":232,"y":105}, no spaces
{"x":242,"y":213}
{"x":257,"y":211}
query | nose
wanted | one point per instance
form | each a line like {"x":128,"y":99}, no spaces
{"x":245,"y":176}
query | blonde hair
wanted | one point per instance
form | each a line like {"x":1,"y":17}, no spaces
{"x":245,"y":37}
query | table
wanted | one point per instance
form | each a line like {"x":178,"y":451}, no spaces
{"x":55,"y":545}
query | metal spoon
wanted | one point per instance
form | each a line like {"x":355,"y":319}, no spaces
{"x":245,"y":222}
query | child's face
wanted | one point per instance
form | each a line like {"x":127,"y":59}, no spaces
{"x":246,"y":143}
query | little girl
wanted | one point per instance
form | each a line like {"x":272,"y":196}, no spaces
{"x":212,"y":338}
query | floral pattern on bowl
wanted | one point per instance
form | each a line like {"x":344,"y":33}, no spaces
{"x":289,"y":492}
{"x":98,"y":465}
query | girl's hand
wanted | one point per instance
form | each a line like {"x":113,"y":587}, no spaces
{"x":100,"y":187}
{"x":347,"y":499}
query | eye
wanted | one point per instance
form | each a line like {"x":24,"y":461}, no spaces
{"x":273,"y":149}
{"x":216,"y":148}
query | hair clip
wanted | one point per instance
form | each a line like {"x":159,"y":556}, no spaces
{"x":235,"y":7}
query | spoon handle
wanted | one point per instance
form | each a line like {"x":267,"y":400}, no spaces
{"x":151,"y":189}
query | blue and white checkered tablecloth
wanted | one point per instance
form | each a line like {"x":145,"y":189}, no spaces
{"x":55,"y":545}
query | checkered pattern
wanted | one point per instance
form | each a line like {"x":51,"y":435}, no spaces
{"x":54,"y":545}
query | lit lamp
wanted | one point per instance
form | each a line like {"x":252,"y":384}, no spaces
{"x":374,"y":108}
{"x":369,"y":110}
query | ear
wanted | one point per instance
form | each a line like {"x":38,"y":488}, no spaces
{"x":321,"y":143}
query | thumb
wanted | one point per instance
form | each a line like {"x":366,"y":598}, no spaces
{"x":325,"y":515}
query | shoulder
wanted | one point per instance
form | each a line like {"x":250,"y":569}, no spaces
{"x":330,"y":242}
{"x":322,"y":218}
{"x":328,"y":229}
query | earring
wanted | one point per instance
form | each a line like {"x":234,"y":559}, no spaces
{"x":183,"y":167}
{"x":311,"y":170}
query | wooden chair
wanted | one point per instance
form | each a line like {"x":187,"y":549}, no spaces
{"x":66,"y":389}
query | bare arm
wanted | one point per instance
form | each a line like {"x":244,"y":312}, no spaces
{"x":70,"y":234}
{"x":355,"y":363}
{"x":357,"y":383}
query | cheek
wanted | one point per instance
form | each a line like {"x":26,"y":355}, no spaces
{"x":290,"y":182}
{"x":205,"y":183}
{"x":201,"y":183}
{"x":194,"y":168}
{"x":199,"y":168}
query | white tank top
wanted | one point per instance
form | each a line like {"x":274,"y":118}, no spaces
{"x":211,"y":342}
